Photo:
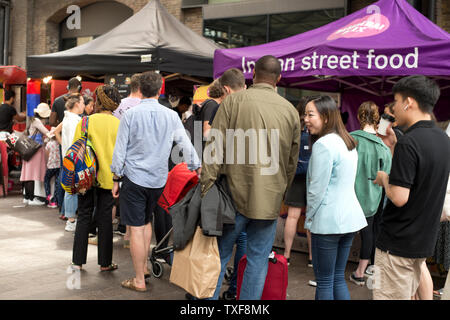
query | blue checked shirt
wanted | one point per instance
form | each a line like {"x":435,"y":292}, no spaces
{"x":144,"y":144}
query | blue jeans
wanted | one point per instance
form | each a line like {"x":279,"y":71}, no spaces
{"x":241,"y":249}
{"x":260,"y":237}
{"x":70,"y":205}
{"x":330,"y":254}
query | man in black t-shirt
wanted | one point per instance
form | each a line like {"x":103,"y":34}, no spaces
{"x":59,"y":105}
{"x":416,"y":189}
{"x":8,"y":113}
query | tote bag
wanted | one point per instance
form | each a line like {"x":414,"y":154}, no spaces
{"x":196,"y":268}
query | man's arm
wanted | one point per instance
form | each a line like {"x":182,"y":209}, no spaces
{"x":57,"y":133}
{"x":211,"y":166}
{"x":120,"y":148}
{"x":53,"y":121}
{"x":20,"y":117}
{"x":189,"y":154}
{"x":398,"y":195}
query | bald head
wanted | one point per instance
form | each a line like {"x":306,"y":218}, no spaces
{"x":267,"y":69}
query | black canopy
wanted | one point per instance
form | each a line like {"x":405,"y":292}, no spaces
{"x":152,"y":39}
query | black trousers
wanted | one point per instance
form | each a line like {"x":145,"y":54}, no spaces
{"x":29,"y":189}
{"x":376,"y":225}
{"x":104,"y":201}
{"x":367,"y":240}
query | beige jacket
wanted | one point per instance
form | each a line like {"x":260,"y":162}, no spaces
{"x":270,"y":125}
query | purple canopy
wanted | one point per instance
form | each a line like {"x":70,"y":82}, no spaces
{"x":366,"y":51}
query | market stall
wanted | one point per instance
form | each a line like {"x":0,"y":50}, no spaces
{"x":152,"y":39}
{"x":360,"y":56}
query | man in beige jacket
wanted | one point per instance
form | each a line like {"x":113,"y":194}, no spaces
{"x":254,"y":141}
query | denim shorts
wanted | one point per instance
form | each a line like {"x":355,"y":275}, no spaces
{"x":137,"y":203}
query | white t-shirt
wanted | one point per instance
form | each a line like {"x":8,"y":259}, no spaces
{"x":69,"y":126}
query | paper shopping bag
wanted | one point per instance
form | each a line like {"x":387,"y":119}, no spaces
{"x":196,"y":268}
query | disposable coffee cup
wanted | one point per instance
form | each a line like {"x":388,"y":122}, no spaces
{"x":384,"y":123}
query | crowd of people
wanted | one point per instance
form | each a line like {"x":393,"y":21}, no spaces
{"x":389,"y":188}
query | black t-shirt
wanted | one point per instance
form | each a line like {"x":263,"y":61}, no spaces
{"x":7,"y":114}
{"x":213,"y":114}
{"x":421,"y":164}
{"x":59,"y":106}
{"x":209,"y":108}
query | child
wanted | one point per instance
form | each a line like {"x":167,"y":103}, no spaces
{"x":53,"y":168}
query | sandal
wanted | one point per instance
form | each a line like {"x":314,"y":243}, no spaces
{"x":129,"y":284}
{"x":111,"y":267}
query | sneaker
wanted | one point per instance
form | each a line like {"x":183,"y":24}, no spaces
{"x":25,"y":201}
{"x":228,"y":296}
{"x":369,"y":271}
{"x":36,"y":202}
{"x":52,"y":205}
{"x":63,"y":217}
{"x":312,"y":283}
{"x":71,"y":226}
{"x":356,"y":280}
{"x":310,"y":265}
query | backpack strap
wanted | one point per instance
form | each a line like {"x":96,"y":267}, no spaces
{"x":84,"y":126}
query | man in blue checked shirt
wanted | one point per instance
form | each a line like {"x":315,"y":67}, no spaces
{"x":140,"y":161}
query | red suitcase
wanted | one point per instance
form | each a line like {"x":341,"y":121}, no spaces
{"x":276,"y":283}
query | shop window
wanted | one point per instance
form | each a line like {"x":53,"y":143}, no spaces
{"x":254,"y":30}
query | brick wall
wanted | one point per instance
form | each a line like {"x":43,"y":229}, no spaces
{"x":193,"y":19}
{"x":19,"y":33}
{"x":443,"y":14}
{"x":35,"y":24}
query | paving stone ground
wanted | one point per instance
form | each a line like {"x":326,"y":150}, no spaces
{"x":35,"y":253}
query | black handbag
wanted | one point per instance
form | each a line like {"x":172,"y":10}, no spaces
{"x":23,"y":144}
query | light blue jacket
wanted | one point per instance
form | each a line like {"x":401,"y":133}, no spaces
{"x":332,"y":205}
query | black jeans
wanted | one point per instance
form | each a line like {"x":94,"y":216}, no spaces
{"x":367,"y":240}
{"x":104,"y":206}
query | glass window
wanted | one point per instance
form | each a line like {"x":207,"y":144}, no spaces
{"x":289,"y":24}
{"x":237,"y":32}
{"x":254,"y":30}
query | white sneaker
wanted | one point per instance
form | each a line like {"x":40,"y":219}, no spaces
{"x":25,"y":201}
{"x":312,"y":283}
{"x":71,"y":226}
{"x":369,"y":271}
{"x":35,"y":202}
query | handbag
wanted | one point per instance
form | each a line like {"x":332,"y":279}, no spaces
{"x":24,"y":145}
{"x":196,"y":268}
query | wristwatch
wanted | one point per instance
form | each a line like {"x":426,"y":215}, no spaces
{"x":117,"y":179}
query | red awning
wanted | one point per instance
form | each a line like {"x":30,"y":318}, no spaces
{"x":12,"y":75}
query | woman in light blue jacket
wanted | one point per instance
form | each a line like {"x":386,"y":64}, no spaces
{"x":333,"y":213}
